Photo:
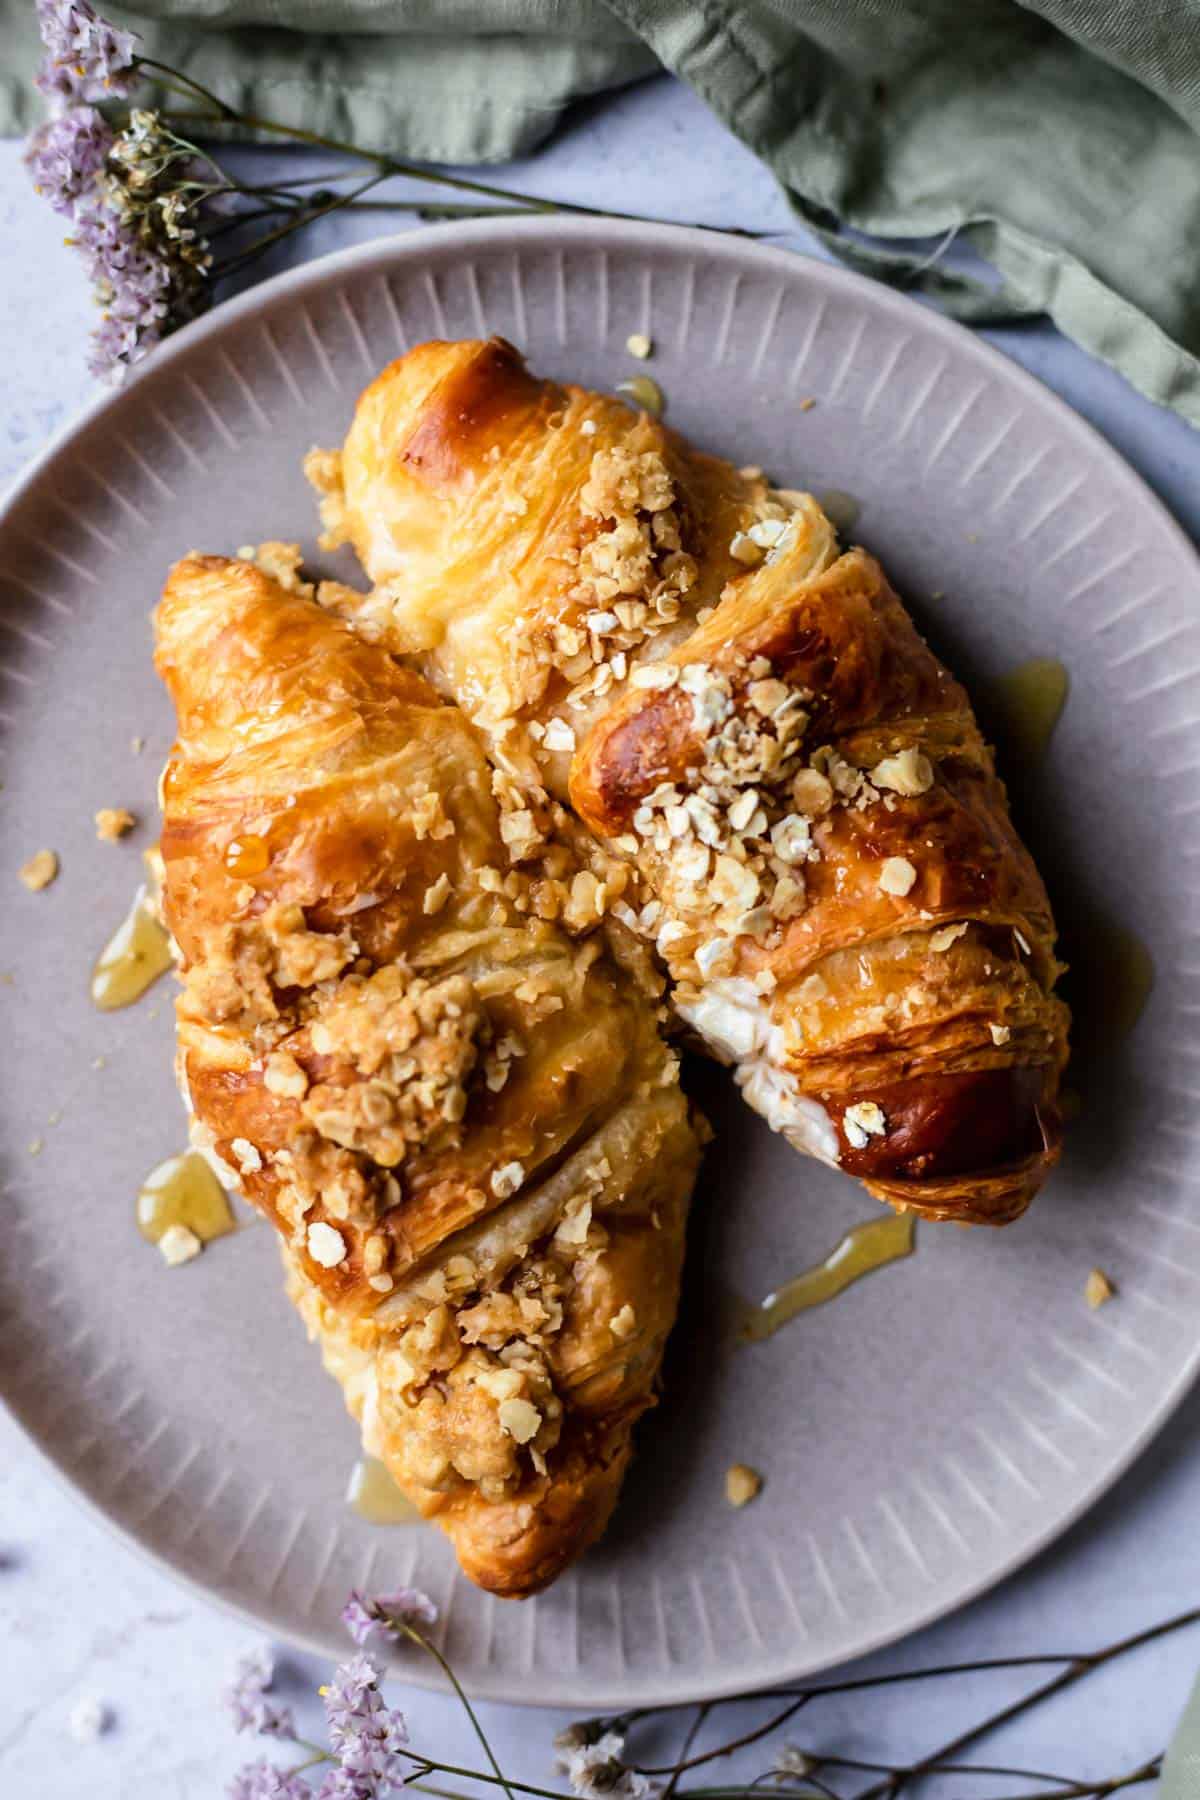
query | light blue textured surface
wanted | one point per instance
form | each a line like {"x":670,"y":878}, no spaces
{"x":81,"y":1615}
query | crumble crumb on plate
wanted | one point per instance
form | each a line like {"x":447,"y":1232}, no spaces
{"x":39,"y":871}
{"x":742,"y":1484}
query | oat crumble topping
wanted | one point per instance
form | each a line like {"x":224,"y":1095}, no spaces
{"x":506,"y":1181}
{"x":862,"y":1121}
{"x":326,"y":1245}
{"x":411,"y":1045}
{"x":897,"y":876}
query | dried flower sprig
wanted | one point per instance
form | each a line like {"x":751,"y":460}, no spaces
{"x":370,"y":1754}
{"x":148,"y":204}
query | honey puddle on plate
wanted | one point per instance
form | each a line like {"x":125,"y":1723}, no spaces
{"x":184,"y":1191}
{"x":864,"y":1248}
{"x":645,"y":393}
{"x":375,"y":1497}
{"x":1028,"y":703}
{"x":137,"y":953}
{"x":1111,"y":971}
{"x":1110,"y":978}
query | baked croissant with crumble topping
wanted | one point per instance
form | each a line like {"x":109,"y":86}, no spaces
{"x":459,"y":1113}
{"x":747,"y":719}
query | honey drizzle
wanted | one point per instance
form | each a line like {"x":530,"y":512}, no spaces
{"x":841,"y":509}
{"x":137,"y":953}
{"x":1028,"y":703}
{"x":376,"y":1497}
{"x":247,"y":856}
{"x":863,"y":1249}
{"x":645,"y":392}
{"x":184,"y":1191}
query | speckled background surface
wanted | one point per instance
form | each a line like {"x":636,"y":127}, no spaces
{"x":80,"y":1615}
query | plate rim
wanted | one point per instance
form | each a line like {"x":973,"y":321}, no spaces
{"x":790,"y":264}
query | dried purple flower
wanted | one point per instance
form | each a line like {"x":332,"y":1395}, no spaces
{"x":247,"y":1699}
{"x":341,"y":1784}
{"x":408,"y":1606}
{"x":132,"y":286}
{"x":66,"y":155}
{"x":263,"y":1781}
{"x":367,"y":1735}
{"x":86,"y":57}
{"x":134,"y":225}
{"x":594,"y":1767}
{"x":366,"y":1618}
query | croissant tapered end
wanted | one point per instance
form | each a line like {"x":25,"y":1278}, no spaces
{"x":518,"y":1547}
{"x":459,"y":1115}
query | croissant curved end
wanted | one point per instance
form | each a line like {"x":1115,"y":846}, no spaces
{"x":517,"y":1547}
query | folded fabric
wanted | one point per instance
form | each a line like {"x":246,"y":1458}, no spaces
{"x":454,"y":81}
{"x":1059,"y":137}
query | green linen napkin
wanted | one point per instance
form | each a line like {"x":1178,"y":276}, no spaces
{"x":455,"y":81}
{"x":1181,"y":1767}
{"x":1061,"y":138}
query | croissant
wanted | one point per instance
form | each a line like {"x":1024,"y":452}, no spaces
{"x":748,"y":719}
{"x":461,"y":1116}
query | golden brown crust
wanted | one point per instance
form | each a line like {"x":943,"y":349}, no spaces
{"x":822,"y":848}
{"x":459,"y":1115}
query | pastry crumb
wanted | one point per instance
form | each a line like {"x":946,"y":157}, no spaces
{"x":178,"y":1245}
{"x":1000,"y":1033}
{"x":639,"y":345}
{"x":807,"y":405}
{"x":39,"y":871}
{"x":742,"y":1484}
{"x":112,"y":823}
{"x":1098,"y":1288}
{"x":137,"y":745}
{"x":281,"y":562}
{"x":36,"y":1146}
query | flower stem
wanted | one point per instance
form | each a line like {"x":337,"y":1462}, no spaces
{"x":738,"y":1743}
{"x":1096,"y":1790}
{"x":389,"y":166}
{"x":300,"y":216}
{"x":173,"y":78}
{"x":1078,"y":1667}
{"x":425,"y":1643}
{"x":693,"y":1732}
